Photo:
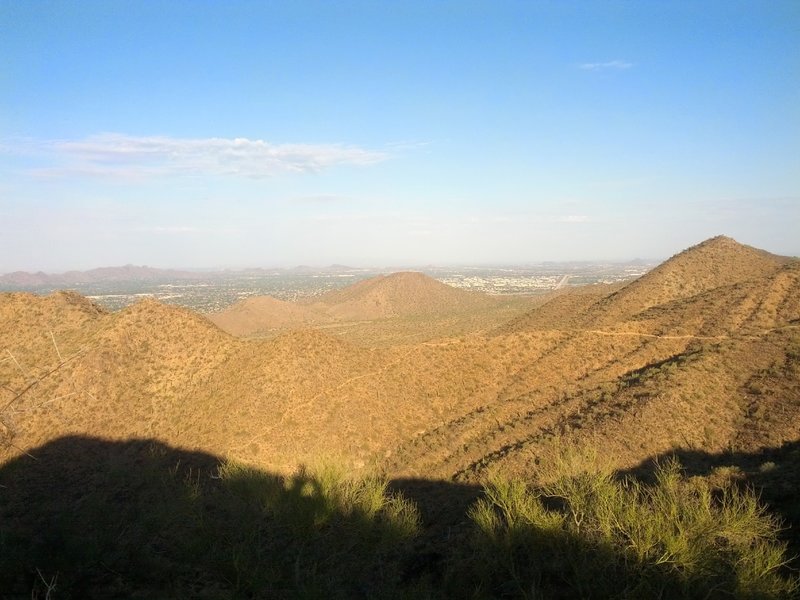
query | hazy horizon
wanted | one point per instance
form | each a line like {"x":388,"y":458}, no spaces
{"x":362,"y":267}
{"x":198,"y":134}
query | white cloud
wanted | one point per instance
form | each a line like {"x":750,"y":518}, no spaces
{"x":125,"y":156}
{"x":611,"y":64}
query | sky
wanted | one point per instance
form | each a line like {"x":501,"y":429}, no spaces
{"x":240,"y":134}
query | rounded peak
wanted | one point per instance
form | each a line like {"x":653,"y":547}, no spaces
{"x":150,"y":317}
{"x":722,"y":248}
{"x":719,"y":240}
{"x":406,"y":279}
{"x":716,"y":262}
{"x":148,"y":305}
{"x":397,"y":294}
{"x":408,"y":275}
{"x":74,"y":299}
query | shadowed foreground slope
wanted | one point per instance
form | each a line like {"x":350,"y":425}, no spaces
{"x":88,"y":518}
{"x":142,"y":519}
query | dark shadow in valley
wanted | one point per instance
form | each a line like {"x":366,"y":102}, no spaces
{"x":443,"y":508}
{"x":101,"y":519}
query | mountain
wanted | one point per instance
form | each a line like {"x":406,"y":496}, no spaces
{"x":700,"y":356}
{"x":752,"y":306}
{"x":714,"y":263}
{"x":153,"y":369}
{"x":21,"y":279}
{"x":397,"y":295}
{"x":698,"y":290}
{"x":34,"y":327}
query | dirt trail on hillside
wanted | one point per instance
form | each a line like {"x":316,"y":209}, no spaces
{"x":687,"y":336}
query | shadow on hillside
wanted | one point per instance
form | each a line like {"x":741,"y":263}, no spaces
{"x":774,"y":473}
{"x":138,"y":519}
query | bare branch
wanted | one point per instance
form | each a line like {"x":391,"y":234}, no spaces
{"x":36,"y":381}
{"x":50,"y":586}
{"x":53,"y":337}
{"x":16,"y":362}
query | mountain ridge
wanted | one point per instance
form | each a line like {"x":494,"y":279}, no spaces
{"x":399,"y":294}
{"x":715,"y":262}
{"x":714,"y":363}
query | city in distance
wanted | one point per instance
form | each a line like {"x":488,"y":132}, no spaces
{"x":210,"y":291}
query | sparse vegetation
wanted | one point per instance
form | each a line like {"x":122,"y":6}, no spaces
{"x":434,"y":401}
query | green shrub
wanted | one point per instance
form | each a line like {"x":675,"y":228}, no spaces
{"x":142,"y":521}
{"x":318,"y":533}
{"x":589,"y":535}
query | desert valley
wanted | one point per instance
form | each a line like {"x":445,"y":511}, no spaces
{"x":435,"y":391}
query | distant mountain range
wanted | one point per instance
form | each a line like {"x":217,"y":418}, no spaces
{"x":128,"y":273}
{"x":124,"y":273}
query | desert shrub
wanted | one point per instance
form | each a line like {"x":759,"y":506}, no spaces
{"x":589,"y":535}
{"x":138,"y":520}
{"x":318,"y":533}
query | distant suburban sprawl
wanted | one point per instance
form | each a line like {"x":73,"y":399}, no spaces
{"x":214,"y":291}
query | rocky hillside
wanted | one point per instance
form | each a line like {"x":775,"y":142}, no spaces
{"x":701,"y":353}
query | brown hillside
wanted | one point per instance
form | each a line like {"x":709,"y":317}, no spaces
{"x":560,"y":309}
{"x":700,"y":355}
{"x":436,"y":405}
{"x":434,"y":387}
{"x":261,"y":314}
{"x":716,"y":262}
{"x":124,"y":374}
{"x":752,"y":306}
{"x":398,"y":294}
{"x":711,"y":288}
{"x":38,"y":333}
{"x":20,"y":312}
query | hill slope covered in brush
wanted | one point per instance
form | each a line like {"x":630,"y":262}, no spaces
{"x":676,"y":353}
{"x":699,"y":358}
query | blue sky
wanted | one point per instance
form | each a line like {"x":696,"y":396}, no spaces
{"x":210,"y":134}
